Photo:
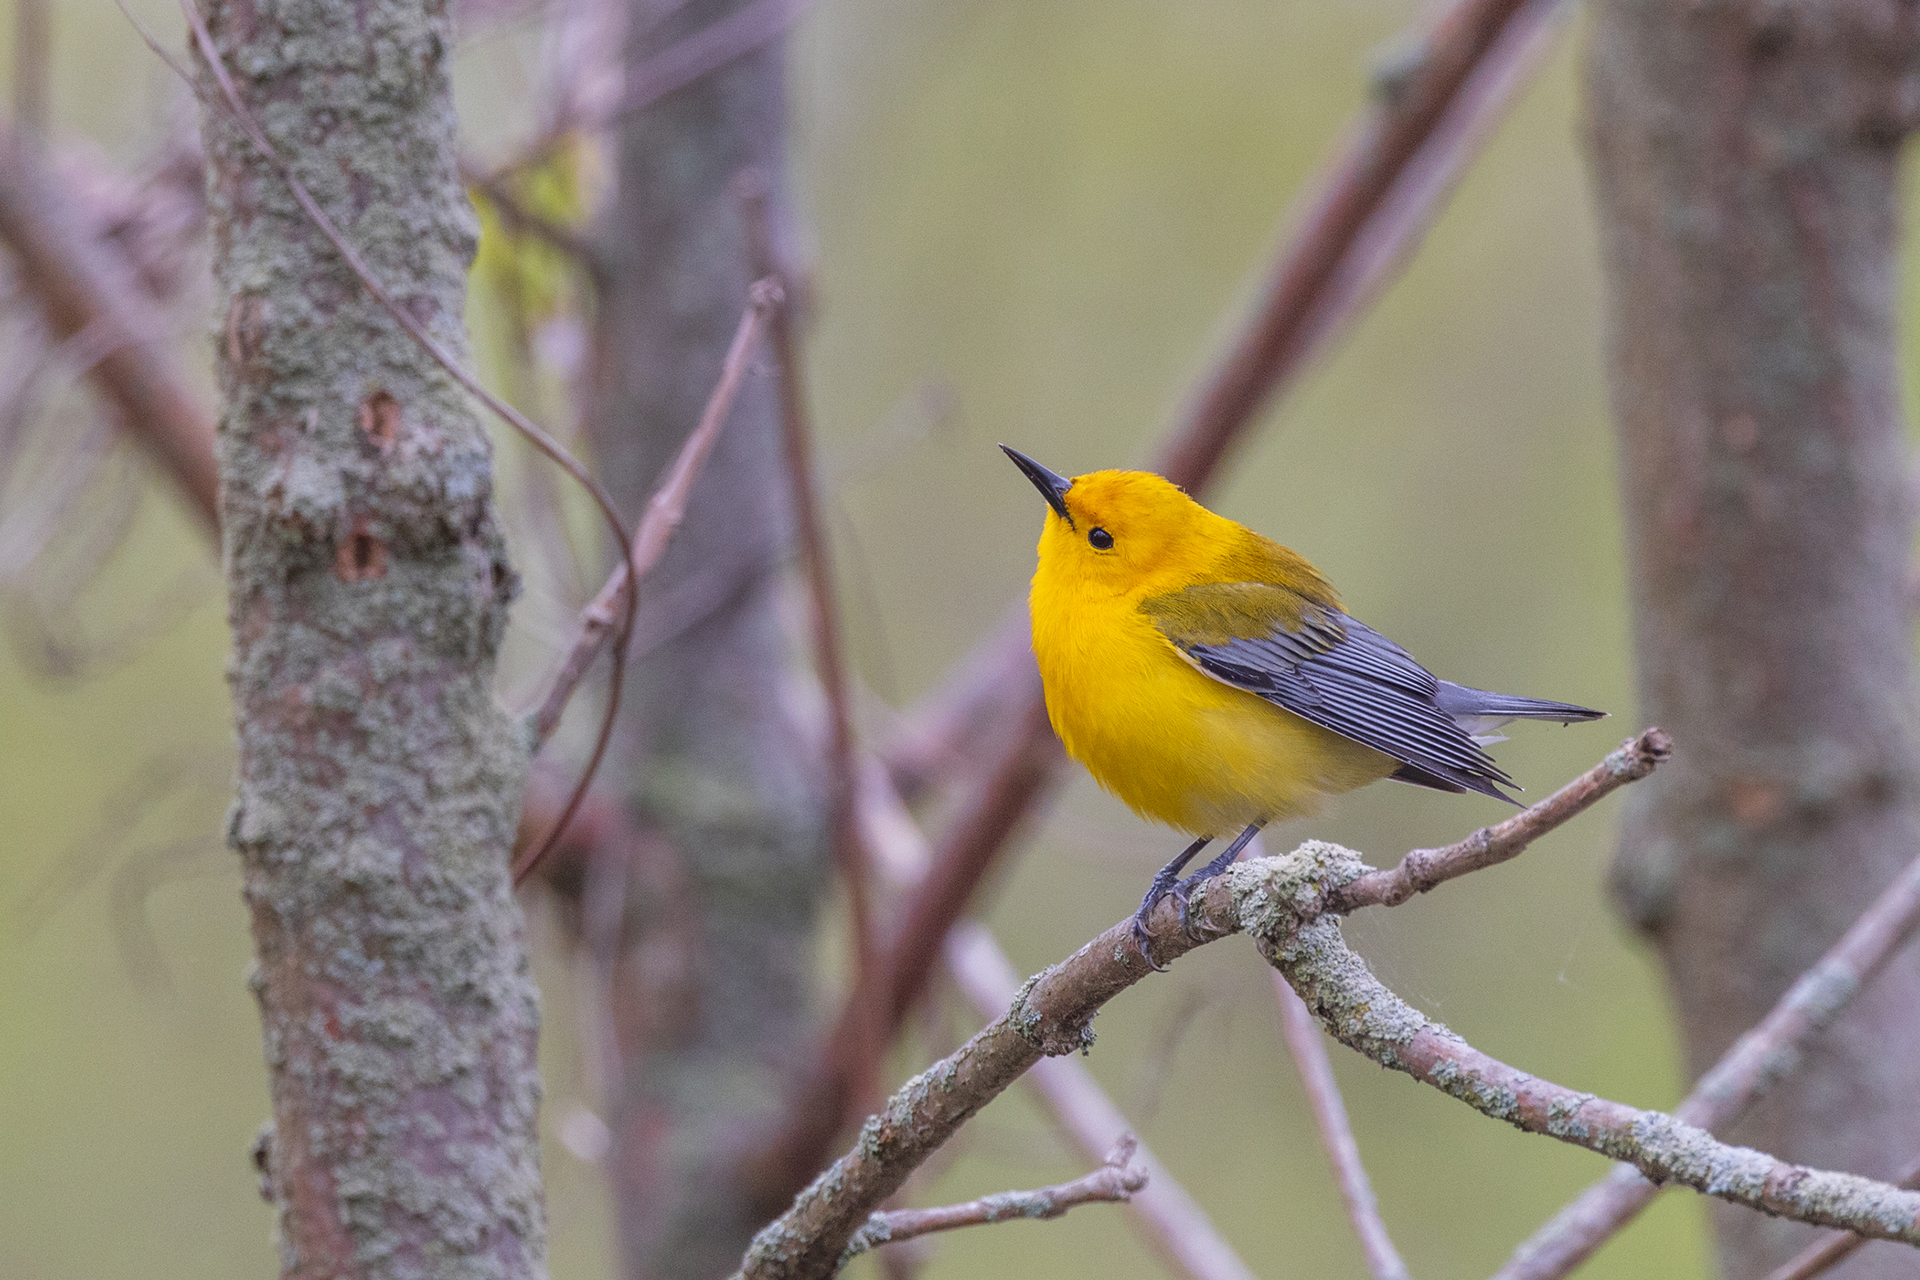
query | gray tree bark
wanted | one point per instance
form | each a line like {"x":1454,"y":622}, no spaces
{"x":710,"y":994}
{"x":1744,"y":154}
{"x":379,"y":785}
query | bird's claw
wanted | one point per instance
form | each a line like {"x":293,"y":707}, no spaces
{"x":1144,"y":941}
{"x":1141,"y":937}
{"x":1182,"y":893}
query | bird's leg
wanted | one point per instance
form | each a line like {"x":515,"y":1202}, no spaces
{"x":1164,"y":882}
{"x":1184,"y":890}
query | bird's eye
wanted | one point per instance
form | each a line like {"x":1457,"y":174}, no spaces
{"x":1101,"y":539}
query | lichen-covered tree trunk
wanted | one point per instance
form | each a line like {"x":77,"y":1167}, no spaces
{"x":368,"y":586}
{"x":711,"y":991}
{"x":1745,"y":156}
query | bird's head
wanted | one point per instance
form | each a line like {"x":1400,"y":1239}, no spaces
{"x":1121,"y":531}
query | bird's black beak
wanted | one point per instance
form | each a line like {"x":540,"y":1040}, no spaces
{"x":1052,"y":487}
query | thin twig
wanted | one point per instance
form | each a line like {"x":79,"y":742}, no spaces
{"x":1168,"y":1218}
{"x":1309,"y":1051}
{"x":672,"y":69}
{"x":1390,"y":136}
{"x":516,"y":214}
{"x":849,"y":850}
{"x":1422,"y":869}
{"x":665,"y":510}
{"x":1366,"y":211}
{"x":1757,"y":1061}
{"x":1114,"y":1182}
{"x":86,"y":286}
{"x":1821,"y":1257}
{"x":1280,"y":903}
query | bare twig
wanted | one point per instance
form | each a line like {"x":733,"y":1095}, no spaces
{"x":1280,"y":903}
{"x":1393,"y":133}
{"x":849,"y":850}
{"x":669,"y":71}
{"x":1114,"y":1182}
{"x":1336,"y":1134}
{"x":87,"y":286}
{"x":1757,"y":1060}
{"x":1366,"y":211}
{"x":1422,"y":869}
{"x":515,"y":214}
{"x":1817,"y":1259}
{"x":1169,"y":1219}
{"x":665,"y":510}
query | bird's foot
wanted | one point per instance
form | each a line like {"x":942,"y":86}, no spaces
{"x":1165,"y":881}
{"x":1141,"y":938}
{"x":1183,"y":891}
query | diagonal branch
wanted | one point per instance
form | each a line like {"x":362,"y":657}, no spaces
{"x":1757,"y":1060}
{"x":1169,"y":1219}
{"x":1281,"y":903}
{"x":1114,"y":1182}
{"x":665,"y":510}
{"x":829,"y":649}
{"x":1819,"y":1258}
{"x":1336,"y":1134}
{"x":1422,"y":869}
{"x":84,"y":286}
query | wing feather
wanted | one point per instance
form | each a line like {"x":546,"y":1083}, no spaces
{"x":1327,"y":668}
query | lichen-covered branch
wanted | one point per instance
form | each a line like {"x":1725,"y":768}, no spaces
{"x":1366,"y":1016}
{"x":1769,"y":1051}
{"x":1422,"y":869}
{"x":1824,"y":1255}
{"x":368,"y":583}
{"x":1114,"y":1182}
{"x":1170,"y":1221}
{"x":1282,"y":903}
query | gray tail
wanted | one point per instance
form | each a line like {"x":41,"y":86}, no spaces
{"x":1478,"y":710}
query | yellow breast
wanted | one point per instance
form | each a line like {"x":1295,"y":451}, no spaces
{"x":1176,"y":745}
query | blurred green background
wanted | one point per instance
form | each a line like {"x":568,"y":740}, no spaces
{"x":1050,"y":213}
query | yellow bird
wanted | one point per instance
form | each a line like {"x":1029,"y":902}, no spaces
{"x":1210,"y":678}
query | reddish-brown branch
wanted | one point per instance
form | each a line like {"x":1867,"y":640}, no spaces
{"x":1114,"y":1182}
{"x":866,"y":1044}
{"x":1757,"y":1060}
{"x":1309,"y":1052}
{"x":665,"y":510}
{"x":1422,"y":869}
{"x":86,"y":285}
{"x":669,"y":71}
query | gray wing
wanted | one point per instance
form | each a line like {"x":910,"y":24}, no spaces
{"x":1344,"y":676}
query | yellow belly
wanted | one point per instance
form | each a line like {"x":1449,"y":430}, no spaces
{"x":1175,"y":744}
